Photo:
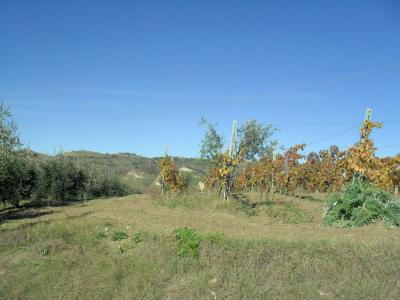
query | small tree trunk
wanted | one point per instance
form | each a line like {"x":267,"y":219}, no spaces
{"x":396,"y":190}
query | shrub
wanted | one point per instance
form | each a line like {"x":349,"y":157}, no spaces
{"x":189,"y":241}
{"x":361,"y":203}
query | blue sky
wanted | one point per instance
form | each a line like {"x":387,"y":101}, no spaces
{"x":133,"y":76}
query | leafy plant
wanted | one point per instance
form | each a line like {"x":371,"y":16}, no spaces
{"x":362,"y":203}
{"x":100,"y":235}
{"x":119,"y":235}
{"x":45,"y":251}
{"x":189,"y":241}
{"x":137,"y":237}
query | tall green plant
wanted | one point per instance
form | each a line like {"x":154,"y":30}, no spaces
{"x":361,"y":203}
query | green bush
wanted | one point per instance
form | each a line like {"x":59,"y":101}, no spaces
{"x":189,"y":241}
{"x":361,"y":203}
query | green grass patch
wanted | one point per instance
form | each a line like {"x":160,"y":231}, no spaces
{"x":54,"y":265}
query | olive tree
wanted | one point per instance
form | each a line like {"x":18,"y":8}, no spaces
{"x":16,"y":177}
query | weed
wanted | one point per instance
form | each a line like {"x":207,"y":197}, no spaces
{"x":45,"y":251}
{"x":119,"y":235}
{"x":123,"y":248}
{"x":189,"y":241}
{"x":137,"y":237}
{"x":100,"y":235}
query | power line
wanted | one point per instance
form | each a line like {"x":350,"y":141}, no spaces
{"x":315,"y":124}
{"x":329,"y":123}
{"x":331,"y":136}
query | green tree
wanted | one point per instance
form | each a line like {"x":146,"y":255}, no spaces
{"x":60,"y":179}
{"x":16,"y":170}
{"x":254,"y":140}
{"x":9,"y":140}
{"x":212,"y":143}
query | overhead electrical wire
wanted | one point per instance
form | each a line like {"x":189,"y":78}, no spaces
{"x":331,"y":136}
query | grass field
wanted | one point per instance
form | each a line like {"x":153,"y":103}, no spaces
{"x":125,"y":248}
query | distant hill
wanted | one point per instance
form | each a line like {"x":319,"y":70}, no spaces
{"x":138,"y":171}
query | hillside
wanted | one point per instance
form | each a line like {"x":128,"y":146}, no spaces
{"x":137,"y":171}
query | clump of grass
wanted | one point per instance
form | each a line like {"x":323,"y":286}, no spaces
{"x":45,"y":251}
{"x":189,"y":241}
{"x":362,"y":203}
{"x":124,"y":248}
{"x":100,"y":235}
{"x":137,"y":237}
{"x":119,"y":235}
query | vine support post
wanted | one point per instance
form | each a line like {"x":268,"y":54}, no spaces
{"x":273,"y":174}
{"x":232,"y":154}
{"x":232,"y":145}
{"x":396,"y":190}
{"x":162,"y":179}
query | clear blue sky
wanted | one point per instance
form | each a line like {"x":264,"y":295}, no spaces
{"x":132,"y":76}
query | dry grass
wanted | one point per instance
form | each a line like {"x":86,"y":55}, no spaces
{"x":68,"y":253}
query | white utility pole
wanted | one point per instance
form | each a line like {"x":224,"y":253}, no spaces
{"x":232,"y":146}
{"x":232,"y":149}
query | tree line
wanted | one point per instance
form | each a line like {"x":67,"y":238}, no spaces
{"x":25,"y":175}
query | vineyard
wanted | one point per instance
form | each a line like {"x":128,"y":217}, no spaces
{"x":326,"y":171}
{"x":251,"y":164}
